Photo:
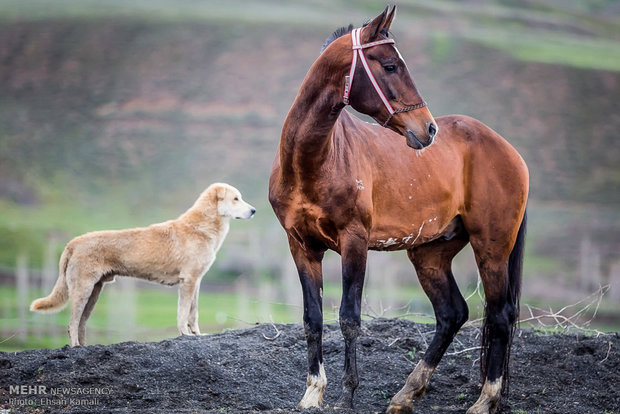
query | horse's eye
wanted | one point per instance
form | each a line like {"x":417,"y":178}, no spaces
{"x":390,"y":68}
{"x":236,"y":199}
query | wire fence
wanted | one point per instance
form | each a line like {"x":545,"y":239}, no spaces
{"x":268,"y":291}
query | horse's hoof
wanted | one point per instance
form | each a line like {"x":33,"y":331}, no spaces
{"x":399,"y":409}
{"x":483,"y":409}
{"x":489,"y":400}
{"x":343,"y":404}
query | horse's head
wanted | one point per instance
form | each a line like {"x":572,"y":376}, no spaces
{"x":383,"y":87}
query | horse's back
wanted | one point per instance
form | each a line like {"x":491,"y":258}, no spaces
{"x":476,"y":135}
{"x":490,"y":157}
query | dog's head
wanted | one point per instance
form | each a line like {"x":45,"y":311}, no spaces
{"x":229,"y":202}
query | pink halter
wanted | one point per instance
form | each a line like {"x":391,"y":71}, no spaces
{"x":358,"y":49}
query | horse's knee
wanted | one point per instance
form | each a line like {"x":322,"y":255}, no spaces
{"x":350,"y":327}
{"x":313,"y":323}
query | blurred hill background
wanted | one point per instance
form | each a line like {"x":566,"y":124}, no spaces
{"x":118,"y":114}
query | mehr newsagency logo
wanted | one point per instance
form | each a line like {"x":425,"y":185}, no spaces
{"x":43,"y":396}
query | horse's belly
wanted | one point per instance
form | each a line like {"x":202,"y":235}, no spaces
{"x":399,"y":238}
{"x":405,"y":237}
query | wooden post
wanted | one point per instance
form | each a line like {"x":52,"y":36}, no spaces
{"x":121,"y":311}
{"x":21,"y":274}
{"x":243,"y":301}
{"x":614,"y":282}
{"x":44,"y":325}
{"x":292,"y":288}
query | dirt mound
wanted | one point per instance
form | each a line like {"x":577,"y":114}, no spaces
{"x":263,"y":369}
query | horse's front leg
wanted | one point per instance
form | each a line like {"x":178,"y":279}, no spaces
{"x":353,"y":252}
{"x":308,"y":264}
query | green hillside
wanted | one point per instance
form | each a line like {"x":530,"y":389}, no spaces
{"x":117,"y":114}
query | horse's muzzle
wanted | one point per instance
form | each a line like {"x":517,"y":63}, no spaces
{"x":414,"y":142}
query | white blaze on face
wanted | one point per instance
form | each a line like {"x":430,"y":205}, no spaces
{"x":401,"y":57}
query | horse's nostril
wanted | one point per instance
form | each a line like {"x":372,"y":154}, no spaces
{"x":432,"y":129}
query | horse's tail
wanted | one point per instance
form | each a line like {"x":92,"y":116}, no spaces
{"x":56,"y":300}
{"x":515,"y":273}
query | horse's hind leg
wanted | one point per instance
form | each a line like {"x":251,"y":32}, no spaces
{"x":87,"y":311}
{"x":432,"y":262}
{"x":500,"y":269}
{"x":497,"y":328}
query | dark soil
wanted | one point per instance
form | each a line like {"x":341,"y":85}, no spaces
{"x":244,"y":371}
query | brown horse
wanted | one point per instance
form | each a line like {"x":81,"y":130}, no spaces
{"x":343,"y":184}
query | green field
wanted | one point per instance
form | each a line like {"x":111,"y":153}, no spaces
{"x":117,"y":114}
{"x":151,"y":315}
{"x":148,"y":313}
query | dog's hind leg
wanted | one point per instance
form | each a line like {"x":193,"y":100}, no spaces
{"x":87,"y":311}
{"x":187,"y":290}
{"x":80,"y":294}
{"x":193,"y":312}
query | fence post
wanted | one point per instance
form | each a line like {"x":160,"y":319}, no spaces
{"x":614,"y":281}
{"x":590,"y":265}
{"x":48,"y":279}
{"x":21,"y":274}
{"x":121,"y":311}
{"x":243,"y":301}
{"x":292,"y":288}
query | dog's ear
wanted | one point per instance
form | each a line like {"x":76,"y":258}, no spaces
{"x":220,"y":193}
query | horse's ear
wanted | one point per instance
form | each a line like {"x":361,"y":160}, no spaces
{"x":389,"y":18}
{"x":378,"y":24}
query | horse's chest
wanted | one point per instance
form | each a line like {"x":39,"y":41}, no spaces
{"x":310,"y":223}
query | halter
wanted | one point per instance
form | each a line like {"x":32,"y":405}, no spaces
{"x":358,"y":49}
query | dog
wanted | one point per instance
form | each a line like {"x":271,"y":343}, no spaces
{"x":174,"y":252}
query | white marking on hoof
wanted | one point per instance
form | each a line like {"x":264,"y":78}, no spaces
{"x":488,"y":402}
{"x":419,"y":378}
{"x":414,"y":388}
{"x":315,"y":385}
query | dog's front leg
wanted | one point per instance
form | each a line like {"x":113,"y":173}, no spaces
{"x":187,"y":288}
{"x":193,"y":312}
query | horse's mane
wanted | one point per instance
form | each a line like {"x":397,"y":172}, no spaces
{"x":341,"y":31}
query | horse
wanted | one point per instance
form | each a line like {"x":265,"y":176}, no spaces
{"x":343,"y":184}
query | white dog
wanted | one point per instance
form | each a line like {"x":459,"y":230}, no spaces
{"x":178,"y":251}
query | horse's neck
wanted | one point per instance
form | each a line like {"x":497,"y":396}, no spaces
{"x":306,"y":135}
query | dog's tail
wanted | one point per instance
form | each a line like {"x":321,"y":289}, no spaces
{"x":56,"y":300}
